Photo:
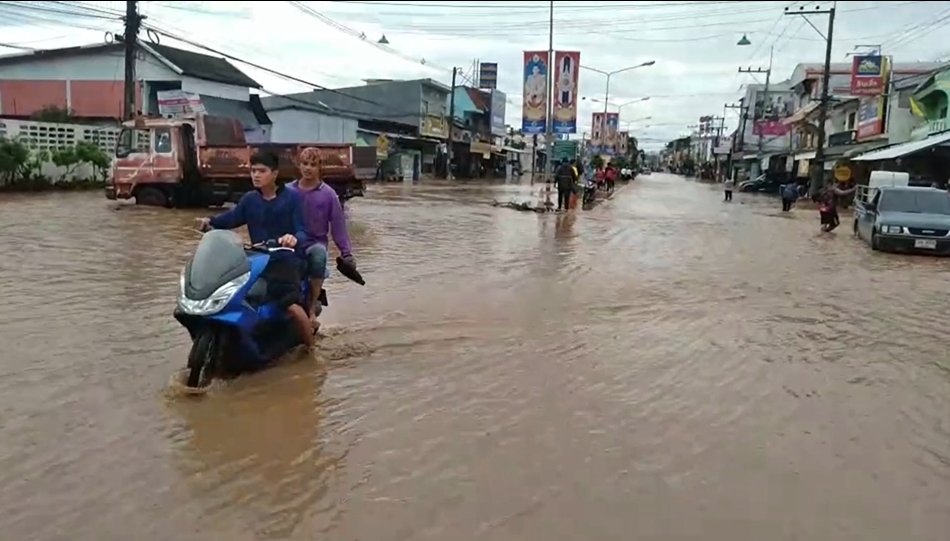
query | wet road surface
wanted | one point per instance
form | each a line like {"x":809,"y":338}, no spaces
{"x":665,"y":366}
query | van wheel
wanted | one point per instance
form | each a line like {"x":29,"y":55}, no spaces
{"x":152,"y":197}
{"x":856,"y":234}
{"x":875,"y":241}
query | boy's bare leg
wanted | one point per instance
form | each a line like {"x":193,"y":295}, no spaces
{"x":313,"y":302}
{"x":301,"y":323}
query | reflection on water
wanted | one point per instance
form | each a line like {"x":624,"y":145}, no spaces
{"x":665,"y":366}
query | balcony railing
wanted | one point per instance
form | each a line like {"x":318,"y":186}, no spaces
{"x":932,"y":126}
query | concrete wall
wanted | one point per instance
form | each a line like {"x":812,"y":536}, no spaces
{"x":297,"y":126}
{"x":900,"y":120}
{"x":51,"y":136}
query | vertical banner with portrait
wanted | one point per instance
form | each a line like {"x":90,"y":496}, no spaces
{"x":535,"y":94}
{"x":566,"y":73}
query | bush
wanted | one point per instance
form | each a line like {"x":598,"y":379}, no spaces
{"x":20,"y":169}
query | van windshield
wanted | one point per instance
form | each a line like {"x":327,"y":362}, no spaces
{"x":916,"y":201}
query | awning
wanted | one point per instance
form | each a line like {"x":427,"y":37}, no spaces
{"x":800,"y":114}
{"x":514,"y":150}
{"x":810,"y":155}
{"x":846,"y":151}
{"x":391,"y":135}
{"x":897,"y":151}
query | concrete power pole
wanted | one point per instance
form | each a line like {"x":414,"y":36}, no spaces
{"x":448,"y":137}
{"x":765,"y":96}
{"x":817,"y":172}
{"x":549,"y":124}
{"x":740,"y":134}
{"x":132,"y":24}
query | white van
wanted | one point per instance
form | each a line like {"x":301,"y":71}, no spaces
{"x":864,"y":194}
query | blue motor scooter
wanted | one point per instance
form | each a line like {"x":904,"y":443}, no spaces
{"x":223,"y":303}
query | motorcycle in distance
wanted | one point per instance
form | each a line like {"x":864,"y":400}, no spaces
{"x":223,"y":304}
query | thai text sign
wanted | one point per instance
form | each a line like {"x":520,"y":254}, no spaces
{"x":867,"y":75}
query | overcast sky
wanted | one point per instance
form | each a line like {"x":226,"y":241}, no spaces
{"x":693,"y":43}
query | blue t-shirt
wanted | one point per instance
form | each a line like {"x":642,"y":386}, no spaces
{"x":265,"y":219}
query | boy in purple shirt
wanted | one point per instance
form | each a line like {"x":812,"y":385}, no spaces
{"x":322,"y":216}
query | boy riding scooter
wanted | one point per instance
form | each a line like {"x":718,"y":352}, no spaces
{"x":272,"y":212}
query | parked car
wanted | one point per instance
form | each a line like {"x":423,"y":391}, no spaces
{"x":903,"y":219}
{"x":762,"y":183}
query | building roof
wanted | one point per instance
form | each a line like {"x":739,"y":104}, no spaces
{"x":481,"y":100}
{"x":197,"y":65}
{"x":202,"y":66}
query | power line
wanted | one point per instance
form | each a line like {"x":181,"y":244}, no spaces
{"x":255,"y":65}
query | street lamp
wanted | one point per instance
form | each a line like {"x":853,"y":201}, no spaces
{"x":383,"y":40}
{"x":628,"y":122}
{"x":610,"y":74}
{"x":622,"y":105}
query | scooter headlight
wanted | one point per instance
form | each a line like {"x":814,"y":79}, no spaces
{"x":215,"y":302}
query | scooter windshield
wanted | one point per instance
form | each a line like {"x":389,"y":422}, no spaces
{"x":219,"y":259}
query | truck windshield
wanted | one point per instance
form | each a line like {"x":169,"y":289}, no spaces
{"x":916,"y":201}
{"x":131,"y":140}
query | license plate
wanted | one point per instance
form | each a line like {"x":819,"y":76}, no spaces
{"x":924,"y":243}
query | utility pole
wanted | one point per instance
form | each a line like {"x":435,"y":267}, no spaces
{"x":448,"y":137}
{"x":818,"y":164}
{"x":740,"y":132}
{"x":549,"y":124}
{"x":132,"y":24}
{"x":765,"y":96}
{"x":719,"y":130}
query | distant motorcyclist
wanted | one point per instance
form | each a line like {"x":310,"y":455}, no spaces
{"x":272,"y":212}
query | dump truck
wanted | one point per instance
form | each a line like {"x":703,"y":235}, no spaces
{"x":204,"y":160}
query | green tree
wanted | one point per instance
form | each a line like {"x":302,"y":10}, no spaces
{"x":90,"y":153}
{"x":14,"y":157}
{"x":53,"y":113}
{"x":67,"y":159}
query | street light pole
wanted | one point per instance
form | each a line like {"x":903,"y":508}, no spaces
{"x":609,"y":74}
{"x":549,"y":95}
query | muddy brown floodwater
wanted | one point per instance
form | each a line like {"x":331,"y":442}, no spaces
{"x":663,"y":367}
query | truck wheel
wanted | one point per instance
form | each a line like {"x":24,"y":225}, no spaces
{"x":875,"y":241}
{"x":855,"y":230}
{"x":151,"y":196}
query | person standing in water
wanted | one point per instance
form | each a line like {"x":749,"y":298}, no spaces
{"x":566,"y":178}
{"x":789,"y":195}
{"x":728,"y":186}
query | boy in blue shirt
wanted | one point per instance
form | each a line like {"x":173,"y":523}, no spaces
{"x":271,"y":211}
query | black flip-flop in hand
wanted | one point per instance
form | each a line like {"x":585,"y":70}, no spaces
{"x":349,"y":270}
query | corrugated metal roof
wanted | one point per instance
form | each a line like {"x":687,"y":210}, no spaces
{"x":197,"y":65}
{"x":904,"y":149}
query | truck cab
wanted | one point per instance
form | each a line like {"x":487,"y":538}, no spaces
{"x":205,"y":161}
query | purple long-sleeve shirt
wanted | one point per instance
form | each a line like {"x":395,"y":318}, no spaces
{"x":323,"y":216}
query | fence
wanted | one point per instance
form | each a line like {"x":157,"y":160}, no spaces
{"x":53,"y":136}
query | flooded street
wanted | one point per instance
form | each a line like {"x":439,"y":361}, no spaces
{"x":665,"y":366}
